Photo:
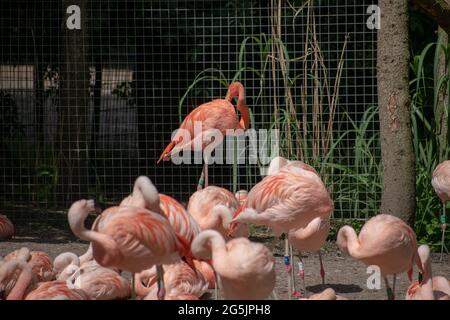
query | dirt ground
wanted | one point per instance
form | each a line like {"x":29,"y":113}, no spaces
{"x":345,"y":275}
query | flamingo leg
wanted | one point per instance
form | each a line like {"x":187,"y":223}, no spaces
{"x":393,"y":285}
{"x":133,"y":283}
{"x":301,"y":271}
{"x":288,"y":266}
{"x":295,"y":293}
{"x":443,"y":231}
{"x":390,"y":295}
{"x":322,"y":270}
{"x":203,"y":181}
{"x":160,"y":280}
{"x":216,"y":286}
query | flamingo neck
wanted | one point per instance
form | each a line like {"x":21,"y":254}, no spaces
{"x":427,"y":281}
{"x":24,"y":280}
{"x":349,"y":242}
{"x":243,"y":109}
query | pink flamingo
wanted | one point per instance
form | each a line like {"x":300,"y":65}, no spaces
{"x":292,"y":197}
{"x":27,"y":288}
{"x":179,"y":278}
{"x":68,"y":263}
{"x":441,"y":185}
{"x":218,"y":114}
{"x":101,"y":283}
{"x":212,"y":208}
{"x":131,"y":238}
{"x":385,"y":241}
{"x":207,"y":271}
{"x":245,"y":269}
{"x":182,"y":222}
{"x":7,"y":229}
{"x":430,"y":288}
{"x":40,"y":262}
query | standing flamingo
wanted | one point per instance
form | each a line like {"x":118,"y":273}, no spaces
{"x":245,"y":269}
{"x":430,"y":288}
{"x":385,"y":241}
{"x":218,"y":114}
{"x":182,"y":222}
{"x":213,"y":207}
{"x":7,"y":229}
{"x":441,"y":185}
{"x":130,"y":238}
{"x":290,"y":198}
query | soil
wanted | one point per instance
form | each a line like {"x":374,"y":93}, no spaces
{"x":346,"y":276}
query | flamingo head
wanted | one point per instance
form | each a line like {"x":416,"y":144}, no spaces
{"x":235,"y":89}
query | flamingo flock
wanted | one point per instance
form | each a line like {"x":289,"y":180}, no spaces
{"x":177,"y":252}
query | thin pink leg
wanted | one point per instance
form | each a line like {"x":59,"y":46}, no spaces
{"x":322,"y":270}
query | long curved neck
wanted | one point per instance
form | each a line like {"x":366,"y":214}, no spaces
{"x":24,"y":280}
{"x":210,"y":243}
{"x":243,"y":109}
{"x":427,"y":280}
{"x":223,"y":214}
{"x":144,"y":186}
{"x":104,"y":247}
{"x":348,"y":241}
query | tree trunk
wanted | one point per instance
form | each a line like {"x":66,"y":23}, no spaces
{"x":73,"y":125}
{"x":441,"y":116}
{"x":398,"y":160}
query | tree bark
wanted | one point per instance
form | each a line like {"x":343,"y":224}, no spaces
{"x":441,"y":116}
{"x":73,"y":125}
{"x":438,"y":10}
{"x":398,"y":159}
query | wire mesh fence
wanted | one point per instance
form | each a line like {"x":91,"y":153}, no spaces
{"x":85,"y":111}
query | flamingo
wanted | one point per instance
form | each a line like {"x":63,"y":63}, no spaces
{"x":207,"y":271}
{"x":441,"y":185}
{"x":385,"y":241}
{"x":291,"y":197}
{"x":245,"y":269}
{"x":40,"y":262}
{"x":130,"y":238}
{"x":218,"y":114}
{"x":430,"y":288}
{"x":7,"y":229}
{"x":213,"y":207}
{"x":101,"y":283}
{"x":27,"y":287}
{"x":182,"y":222}
{"x":179,"y":278}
